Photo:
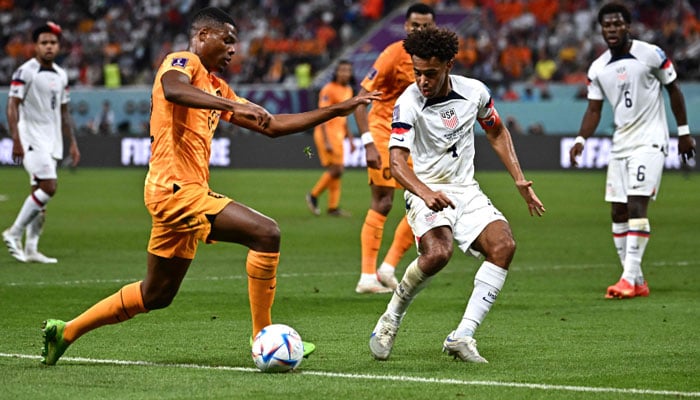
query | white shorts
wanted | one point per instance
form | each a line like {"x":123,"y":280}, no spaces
{"x":40,"y":166}
{"x":472,"y":213}
{"x":636,"y":175}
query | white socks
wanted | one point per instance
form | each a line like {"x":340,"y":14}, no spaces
{"x":488,"y":282}
{"x":637,"y":239}
{"x":33,"y":205}
{"x":413,"y":281}
{"x":619,"y":232}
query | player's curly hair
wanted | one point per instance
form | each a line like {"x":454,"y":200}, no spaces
{"x":432,"y":42}
{"x":613,"y":8}
{"x":210,"y":16}
{"x":48,"y":27}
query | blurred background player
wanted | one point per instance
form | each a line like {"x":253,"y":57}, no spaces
{"x":38,"y":119}
{"x":434,"y":123}
{"x":329,"y":138}
{"x":188,"y":101}
{"x":391,"y":73}
{"x":630,"y":75}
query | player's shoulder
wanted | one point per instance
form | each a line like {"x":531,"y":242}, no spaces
{"x":181,"y":59}
{"x":647,"y":52}
{"x":394,"y":49}
{"x":467,"y":87}
{"x":599,"y":63}
{"x":30,"y":66}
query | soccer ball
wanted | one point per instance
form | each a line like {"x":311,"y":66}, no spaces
{"x":277,"y":348}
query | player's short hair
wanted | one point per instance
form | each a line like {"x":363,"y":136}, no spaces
{"x":614,"y":8}
{"x":343,"y":61}
{"x":420,"y":8}
{"x":440,"y":43}
{"x":48,"y":27}
{"x":210,"y":16}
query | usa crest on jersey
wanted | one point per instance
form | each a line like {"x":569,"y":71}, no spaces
{"x":449,"y":118}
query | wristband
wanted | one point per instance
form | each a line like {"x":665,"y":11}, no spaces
{"x":683,"y":130}
{"x":367,"y":138}
{"x":580,"y":140}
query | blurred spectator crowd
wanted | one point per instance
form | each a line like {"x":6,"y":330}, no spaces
{"x":121,"y":42}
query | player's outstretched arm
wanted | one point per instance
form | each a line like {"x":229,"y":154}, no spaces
{"x":285,"y":124}
{"x":178,"y":89}
{"x":500,"y":139}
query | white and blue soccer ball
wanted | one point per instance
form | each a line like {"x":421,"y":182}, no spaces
{"x":277,"y":348}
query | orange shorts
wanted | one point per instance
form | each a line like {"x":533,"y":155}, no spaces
{"x":336,"y":155}
{"x":182,"y":220}
{"x":382,"y":176}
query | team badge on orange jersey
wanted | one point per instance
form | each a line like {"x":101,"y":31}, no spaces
{"x":179,"y":62}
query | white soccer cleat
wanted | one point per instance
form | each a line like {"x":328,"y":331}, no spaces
{"x":14,"y":245}
{"x":382,"y":339}
{"x":386,"y":277}
{"x":372,"y":287}
{"x":39,"y":258}
{"x":463,"y":348}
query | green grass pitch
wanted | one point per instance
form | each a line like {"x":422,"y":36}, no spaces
{"x":551,"y":335}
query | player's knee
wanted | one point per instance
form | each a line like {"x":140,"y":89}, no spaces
{"x":268,"y":237}
{"x":502,"y":252}
{"x":156,"y":300}
{"x":438,"y":256}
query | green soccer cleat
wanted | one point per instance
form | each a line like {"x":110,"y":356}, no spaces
{"x":308,"y":347}
{"x":54,"y":345}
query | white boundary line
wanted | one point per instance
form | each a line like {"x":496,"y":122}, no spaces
{"x":393,"y":378}
{"x":315,"y":274}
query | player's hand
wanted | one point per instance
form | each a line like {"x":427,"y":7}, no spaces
{"x":437,"y":201}
{"x":348,"y":106}
{"x":534,"y":205}
{"x":74,"y":154}
{"x":686,"y":148}
{"x":17,"y":152}
{"x":374,"y":160}
{"x":253,"y":112}
{"x":574,"y":153}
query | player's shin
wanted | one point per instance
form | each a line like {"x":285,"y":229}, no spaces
{"x":119,"y":307}
{"x":637,"y":239}
{"x":262,"y":283}
{"x":414,"y":280}
{"x":619,"y":232}
{"x":488,"y":282}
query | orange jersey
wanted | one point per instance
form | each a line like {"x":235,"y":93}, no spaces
{"x":333,"y":93}
{"x":181,"y":136}
{"x":391,"y":74}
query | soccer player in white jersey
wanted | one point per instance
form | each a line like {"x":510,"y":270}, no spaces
{"x":38,"y":117}
{"x":433,"y":122}
{"x":630,"y":75}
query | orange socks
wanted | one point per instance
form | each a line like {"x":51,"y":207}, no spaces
{"x":262,"y":282}
{"x":321,"y":185}
{"x":119,"y":307}
{"x":371,"y":240}
{"x":333,"y":193}
{"x":403,"y":239}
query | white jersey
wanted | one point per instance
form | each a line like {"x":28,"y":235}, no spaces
{"x":439,"y":132}
{"x":632,"y":84}
{"x":42,"y":91}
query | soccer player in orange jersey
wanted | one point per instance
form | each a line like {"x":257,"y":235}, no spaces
{"x":391,"y":73}
{"x":329,"y":137}
{"x":188,"y":101}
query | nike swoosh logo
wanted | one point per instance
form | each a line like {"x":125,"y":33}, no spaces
{"x":398,"y":138}
{"x":487,"y":300}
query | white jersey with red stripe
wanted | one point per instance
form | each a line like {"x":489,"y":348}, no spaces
{"x":632,"y":84}
{"x":42,"y":91}
{"x":439,"y":132}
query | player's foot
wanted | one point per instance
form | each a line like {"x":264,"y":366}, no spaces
{"x":339,"y":212}
{"x":37,"y":257}
{"x":14,"y":245}
{"x":463,"y":348}
{"x":386,"y":277}
{"x":382,"y":339}
{"x":312,"y":203}
{"x":621,"y":290}
{"x":641,"y":290}
{"x":54,"y":345}
{"x":372,"y":287}
{"x":308,"y":348}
